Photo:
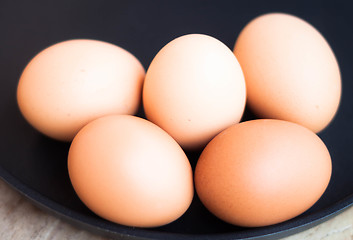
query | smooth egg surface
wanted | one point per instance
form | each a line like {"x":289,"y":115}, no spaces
{"x":131,"y":172}
{"x":290,"y":71}
{"x":262,"y":172}
{"x":194,"y":88}
{"x":70,"y":83}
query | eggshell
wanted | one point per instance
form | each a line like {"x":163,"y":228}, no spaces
{"x":70,"y":83}
{"x":262,"y":172}
{"x":290,"y":71}
{"x":194,"y":88}
{"x":129,"y":171}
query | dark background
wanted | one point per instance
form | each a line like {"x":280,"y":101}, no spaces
{"x":36,"y":165}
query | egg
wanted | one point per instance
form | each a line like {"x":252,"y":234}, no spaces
{"x":262,"y":172}
{"x":129,"y":171}
{"x":71,"y":83}
{"x":290,"y":70}
{"x":194,"y":88}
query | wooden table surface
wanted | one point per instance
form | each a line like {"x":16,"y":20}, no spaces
{"x":20,"y":219}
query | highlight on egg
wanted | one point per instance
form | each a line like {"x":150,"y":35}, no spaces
{"x":73,"y":82}
{"x":194,"y":88}
{"x":129,"y":171}
{"x":262,"y":172}
{"x":291,"y":72}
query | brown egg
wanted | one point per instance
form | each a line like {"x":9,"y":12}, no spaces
{"x":129,"y":171}
{"x":194,"y":88}
{"x":290,"y":71}
{"x":262,"y":172}
{"x":73,"y":82}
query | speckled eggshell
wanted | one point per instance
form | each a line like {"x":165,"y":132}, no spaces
{"x":194,"y":88}
{"x":262,"y":172}
{"x":290,"y":71}
{"x":131,"y":172}
{"x":71,"y":83}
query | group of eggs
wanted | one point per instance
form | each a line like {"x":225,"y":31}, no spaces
{"x":134,"y":171}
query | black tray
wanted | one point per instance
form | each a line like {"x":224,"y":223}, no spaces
{"x":36,"y":165}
